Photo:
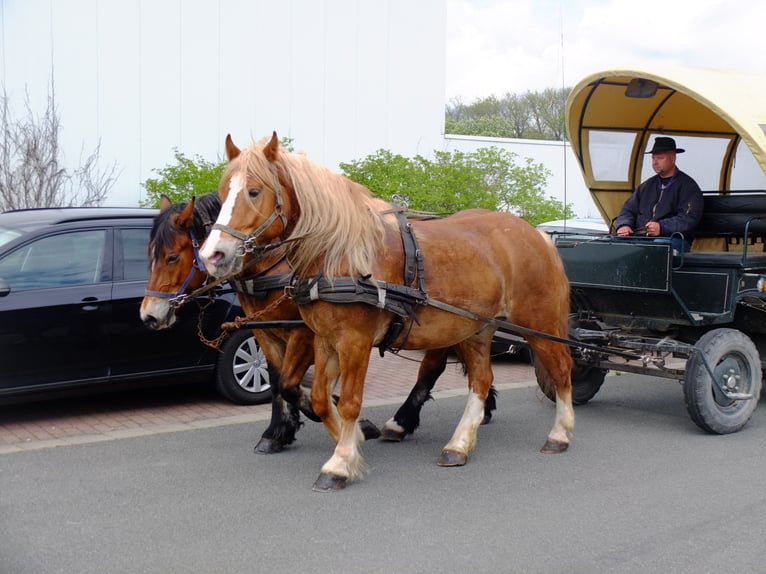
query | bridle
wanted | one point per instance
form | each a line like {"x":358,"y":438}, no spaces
{"x":250,"y":242}
{"x":177,"y":297}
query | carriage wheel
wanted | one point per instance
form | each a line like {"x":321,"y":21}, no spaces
{"x":736,"y":364}
{"x":586,"y":382}
{"x":242,"y":372}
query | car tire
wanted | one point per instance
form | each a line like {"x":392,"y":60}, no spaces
{"x":242,"y":371}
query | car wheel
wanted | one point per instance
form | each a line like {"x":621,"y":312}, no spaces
{"x":242,"y":372}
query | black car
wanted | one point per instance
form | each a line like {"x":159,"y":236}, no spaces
{"x":71,"y":284}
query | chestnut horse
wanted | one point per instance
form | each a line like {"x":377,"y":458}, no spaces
{"x":481,"y":263}
{"x":175,"y":271}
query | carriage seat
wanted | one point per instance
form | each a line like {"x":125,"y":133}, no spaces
{"x":730,"y":220}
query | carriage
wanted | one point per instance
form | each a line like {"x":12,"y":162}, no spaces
{"x":697,"y":317}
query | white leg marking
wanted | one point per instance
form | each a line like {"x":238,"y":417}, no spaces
{"x":464,"y":438}
{"x":392,"y":425}
{"x":563,"y":426}
{"x":347,"y":460}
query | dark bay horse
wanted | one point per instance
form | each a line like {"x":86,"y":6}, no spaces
{"x":174,"y":270}
{"x":481,"y":263}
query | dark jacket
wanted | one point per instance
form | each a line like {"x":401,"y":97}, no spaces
{"x":677,"y":208}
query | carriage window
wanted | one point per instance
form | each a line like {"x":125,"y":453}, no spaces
{"x":134,"y":254}
{"x":610,"y":154}
{"x":57,"y":260}
{"x":747,"y":173}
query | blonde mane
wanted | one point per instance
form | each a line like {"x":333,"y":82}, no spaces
{"x":339,"y":220}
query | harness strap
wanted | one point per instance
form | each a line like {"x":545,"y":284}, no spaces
{"x":398,"y":299}
{"x":260,"y":286}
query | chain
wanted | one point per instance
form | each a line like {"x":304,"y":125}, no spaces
{"x":228,"y":327}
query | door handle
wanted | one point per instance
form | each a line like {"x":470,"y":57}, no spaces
{"x":90,"y":307}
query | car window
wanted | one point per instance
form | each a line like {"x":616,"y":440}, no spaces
{"x":74,"y":258}
{"x":7,"y":235}
{"x":134,"y":255}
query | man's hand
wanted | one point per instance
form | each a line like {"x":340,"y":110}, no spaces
{"x":653,"y":229}
{"x":625,"y":230}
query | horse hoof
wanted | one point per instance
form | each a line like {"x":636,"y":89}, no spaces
{"x":329,"y":482}
{"x":452,"y":458}
{"x":268,"y":446}
{"x":369,"y":430}
{"x":554,"y":447}
{"x":392,"y":435}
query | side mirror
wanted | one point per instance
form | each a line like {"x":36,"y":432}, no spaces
{"x":5,"y":287}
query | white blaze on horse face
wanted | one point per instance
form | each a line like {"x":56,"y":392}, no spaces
{"x":214,"y":243}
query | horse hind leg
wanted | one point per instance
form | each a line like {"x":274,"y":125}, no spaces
{"x":407,"y":418}
{"x":553,"y":366}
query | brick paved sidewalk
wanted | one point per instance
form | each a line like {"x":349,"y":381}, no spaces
{"x":149,"y":411}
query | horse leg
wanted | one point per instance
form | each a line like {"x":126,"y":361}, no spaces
{"x":407,"y":418}
{"x":285,"y":420}
{"x":476,"y":357}
{"x":326,"y":372}
{"x":298,"y":357}
{"x":285,"y":367}
{"x":347,"y":461}
{"x":553,"y":366}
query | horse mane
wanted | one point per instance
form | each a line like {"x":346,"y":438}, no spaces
{"x":339,"y":223}
{"x":164,"y":228}
{"x":206,"y":210}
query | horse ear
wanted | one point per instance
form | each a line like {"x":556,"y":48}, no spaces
{"x":271,"y":150}
{"x":165,"y":202}
{"x":185,"y":218}
{"x":232,"y":151}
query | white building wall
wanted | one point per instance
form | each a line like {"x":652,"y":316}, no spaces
{"x":343,"y":78}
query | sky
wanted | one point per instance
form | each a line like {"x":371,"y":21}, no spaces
{"x":499,"y":46}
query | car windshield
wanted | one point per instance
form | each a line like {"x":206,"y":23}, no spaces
{"x":7,"y":235}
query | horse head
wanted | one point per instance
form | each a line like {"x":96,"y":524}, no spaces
{"x":174,"y":268}
{"x":255,"y":208}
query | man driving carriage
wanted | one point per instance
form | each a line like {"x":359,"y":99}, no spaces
{"x":666,"y":203}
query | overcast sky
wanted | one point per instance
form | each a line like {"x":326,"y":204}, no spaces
{"x":500,"y":46}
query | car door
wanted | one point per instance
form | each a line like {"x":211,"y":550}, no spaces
{"x":137,"y":349}
{"x":53,"y":319}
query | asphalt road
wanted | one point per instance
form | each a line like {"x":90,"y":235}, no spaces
{"x":640,"y":490}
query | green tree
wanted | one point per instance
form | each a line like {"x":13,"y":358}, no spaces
{"x":453,"y":181}
{"x":533,"y":115}
{"x":180,"y":181}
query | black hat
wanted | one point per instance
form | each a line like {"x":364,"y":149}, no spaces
{"x":662,"y":144}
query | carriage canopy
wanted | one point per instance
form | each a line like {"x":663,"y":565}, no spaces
{"x":718,"y":117}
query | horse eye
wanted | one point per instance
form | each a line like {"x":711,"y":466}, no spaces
{"x":173,"y":259}
{"x":253,"y":192}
